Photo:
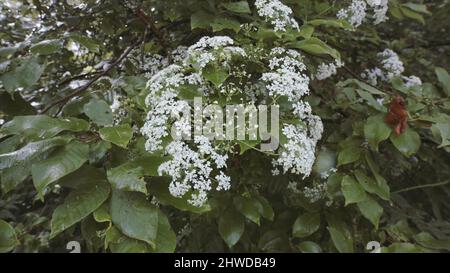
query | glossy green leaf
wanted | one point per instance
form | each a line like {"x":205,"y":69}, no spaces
{"x":343,"y":243}
{"x":352,"y":190}
{"x":99,"y":112}
{"x":135,"y":216}
{"x":316,"y":46}
{"x":249,"y":207}
{"x":376,"y":130}
{"x":128,"y":178}
{"x":306,"y":224}
{"x":166,"y":238}
{"x":380,"y":188}
{"x":408,"y":143}
{"x":46,"y":47}
{"x":371,"y":210}
{"x":217,"y":75}
{"x":79,"y":204}
{"x":30,"y":151}
{"x":42,"y":126}
{"x":444,"y":79}
{"x":309,"y":247}
{"x":25,"y":75}
{"x":427,"y":240}
{"x":221,"y":23}
{"x":231,"y":227}
{"x":266,"y":209}
{"x":238,"y":7}
{"x":57,"y":165}
{"x":8,"y":239}
{"x":119,"y":135}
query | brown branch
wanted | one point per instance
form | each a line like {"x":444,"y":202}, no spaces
{"x":85,"y":87}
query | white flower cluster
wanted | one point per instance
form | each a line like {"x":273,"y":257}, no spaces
{"x":391,"y":66}
{"x":285,"y":77}
{"x":357,"y":12}
{"x":391,"y":63}
{"x":162,"y":105}
{"x":316,"y":192}
{"x":191,"y":170}
{"x":298,"y":154}
{"x":151,"y":64}
{"x":325,"y":71}
{"x":209,"y":49}
{"x":277,"y":14}
{"x":412,"y":81}
{"x":197,"y":168}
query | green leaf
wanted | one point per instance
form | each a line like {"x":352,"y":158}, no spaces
{"x":316,"y":46}
{"x":306,"y":31}
{"x":46,"y":47}
{"x":407,"y":143}
{"x":402,"y":248}
{"x":215,"y":74}
{"x":417,"y":7}
{"x":408,"y":12}
{"x":160,"y":188}
{"x":306,"y":224}
{"x":221,"y":23}
{"x":14,"y":105}
{"x":135,"y":216}
{"x":42,"y":126}
{"x":238,"y":7}
{"x":79,"y":204}
{"x":441,"y":128}
{"x":343,"y":243}
{"x":99,"y":112}
{"x":376,"y":130}
{"x":350,"y":152}
{"x":30,"y":151}
{"x":8,"y":239}
{"x":119,"y":243}
{"x":231,"y":227}
{"x":444,"y":79}
{"x":246,"y":145}
{"x":119,"y":135}
{"x":352,"y":190}
{"x":14,"y":176}
{"x":25,"y":75}
{"x":166,"y":240}
{"x":309,"y":247}
{"x":339,"y":23}
{"x":87,"y":174}
{"x":102,"y":215}
{"x":249,"y":207}
{"x":201,"y":19}
{"x":370,"y":100}
{"x":371,"y":210}
{"x":266,"y":211}
{"x":426,"y":240}
{"x":62,"y":162}
{"x":90,"y":43}
{"x":127,"y":177}
{"x":372,"y":186}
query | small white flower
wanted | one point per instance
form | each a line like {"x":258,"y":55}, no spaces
{"x":412,"y":81}
{"x":276,"y":13}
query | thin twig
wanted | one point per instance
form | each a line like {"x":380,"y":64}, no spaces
{"x":423,"y":186}
{"x":85,"y":87}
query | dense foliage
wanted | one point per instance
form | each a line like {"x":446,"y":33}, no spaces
{"x":89,"y":89}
